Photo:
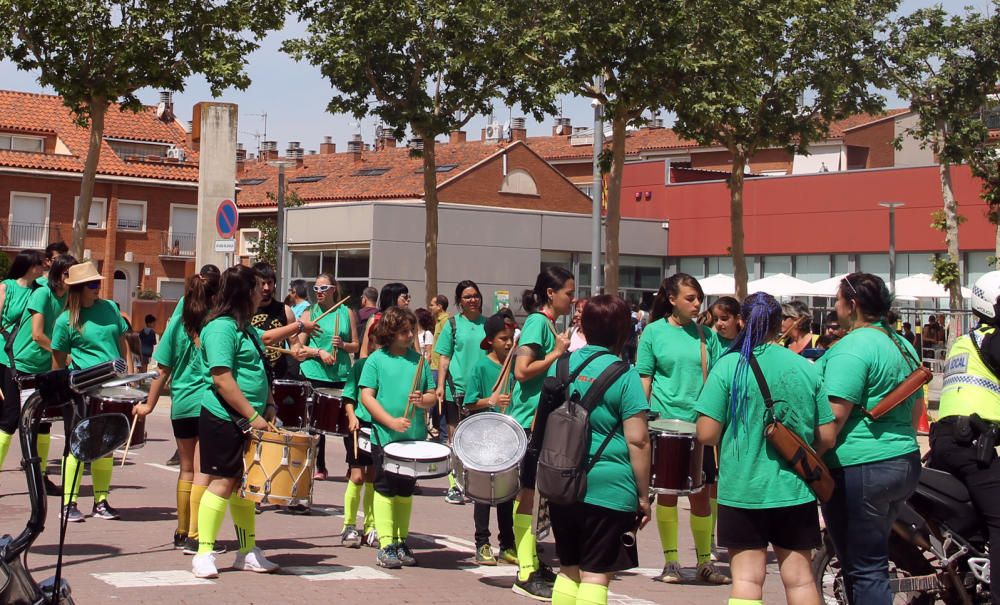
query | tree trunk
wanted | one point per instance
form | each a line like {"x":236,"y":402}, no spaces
{"x":736,"y":223}
{"x":431,"y":219}
{"x":98,"y":107}
{"x":614,"y":200}
{"x":951,"y":234}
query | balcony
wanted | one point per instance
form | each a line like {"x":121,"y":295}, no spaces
{"x":174,"y":244}
{"x":19,"y":236}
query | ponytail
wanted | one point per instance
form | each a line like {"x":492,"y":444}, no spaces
{"x":199,"y":297}
{"x":671,"y":286}
{"x":553,"y":277}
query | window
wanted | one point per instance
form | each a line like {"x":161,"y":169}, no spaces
{"x":123,"y":148}
{"x":15,"y":142}
{"x":587,"y":189}
{"x":812,"y":267}
{"x":248,"y":242}
{"x":28,"y":221}
{"x":440,"y":168}
{"x":131,"y":215}
{"x":98,"y":218}
{"x":171,"y":289}
{"x":693,"y":266}
{"x":307,"y":179}
{"x":371,"y":172}
{"x":350,"y":266}
{"x":774,"y":265}
{"x":519,"y":182}
{"x":183,"y":229}
{"x":249,"y":182}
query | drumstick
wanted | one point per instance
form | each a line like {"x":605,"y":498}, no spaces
{"x":128,"y":443}
{"x":280,"y":350}
{"x":336,"y":331}
{"x":416,"y":382}
{"x":355,"y":444}
{"x":327,"y":312}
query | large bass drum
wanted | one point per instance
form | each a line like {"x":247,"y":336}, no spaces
{"x":486,"y":455}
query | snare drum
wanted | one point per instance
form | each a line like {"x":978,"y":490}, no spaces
{"x":365,"y":439}
{"x":292,"y":400}
{"x":488,"y":448}
{"x":417,"y":459}
{"x":120,"y":400}
{"x":328,"y":414}
{"x":677,"y":458}
{"x":26,"y":384}
{"x":278,"y":467}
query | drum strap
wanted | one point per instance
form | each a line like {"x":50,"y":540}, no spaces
{"x":263,"y":358}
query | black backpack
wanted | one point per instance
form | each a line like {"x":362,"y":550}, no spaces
{"x":563,"y":456}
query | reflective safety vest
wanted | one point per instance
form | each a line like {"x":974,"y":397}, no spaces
{"x":970,"y":387}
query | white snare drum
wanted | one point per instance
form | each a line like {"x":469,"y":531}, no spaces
{"x":365,"y":439}
{"x":488,"y":448}
{"x":417,"y":459}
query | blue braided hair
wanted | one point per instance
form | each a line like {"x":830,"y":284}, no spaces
{"x":761,"y":315}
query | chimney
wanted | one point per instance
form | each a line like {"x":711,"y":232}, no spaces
{"x":241,"y":157}
{"x":563,"y":126}
{"x":655,"y":122}
{"x":327,"y":147}
{"x":456,"y":136}
{"x":387,"y":141}
{"x":355,"y":147}
{"x":268,"y":150}
{"x":518,"y":129}
{"x":165,"y":110}
{"x":294,"y":151}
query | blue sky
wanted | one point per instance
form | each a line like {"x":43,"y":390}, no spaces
{"x":294,"y":96}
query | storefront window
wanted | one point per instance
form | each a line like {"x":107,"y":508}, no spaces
{"x":350,"y":267}
{"x":812,"y":267}
{"x":774,"y":265}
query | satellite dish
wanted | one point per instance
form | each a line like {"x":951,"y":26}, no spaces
{"x":161,"y":110}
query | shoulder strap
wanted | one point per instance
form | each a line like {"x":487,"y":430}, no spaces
{"x":761,"y":383}
{"x":263,"y":360}
{"x":597,"y":390}
{"x":906,"y":355}
{"x":704,"y":354}
{"x":979,"y":345}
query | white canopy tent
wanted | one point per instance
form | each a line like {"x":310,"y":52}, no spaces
{"x":922,"y":286}
{"x":718,"y":285}
{"x":781,"y":285}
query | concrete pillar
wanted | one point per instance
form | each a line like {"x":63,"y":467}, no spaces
{"x":214,"y":130}
{"x":110,"y":241}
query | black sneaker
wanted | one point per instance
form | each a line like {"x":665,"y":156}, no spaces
{"x":103,"y":510}
{"x":72,"y":514}
{"x":191,"y":547}
{"x":175,"y":460}
{"x":180,"y":539}
{"x":387,"y":558}
{"x":534,"y":588}
{"x":546,"y":573}
{"x":298,"y":509}
{"x":51,"y":489}
{"x":406,"y":558}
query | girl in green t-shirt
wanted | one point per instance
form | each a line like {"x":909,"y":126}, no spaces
{"x":538,"y":348}
{"x":726,"y":320}
{"x":178,"y":360}
{"x":675,"y":354}
{"x":385,"y":393}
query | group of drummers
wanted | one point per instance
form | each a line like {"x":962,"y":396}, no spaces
{"x":688,"y":419}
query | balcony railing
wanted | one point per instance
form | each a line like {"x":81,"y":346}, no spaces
{"x":130,"y":224}
{"x":21,"y":235}
{"x":176,"y":244}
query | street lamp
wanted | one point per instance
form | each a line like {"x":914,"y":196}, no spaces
{"x":892,"y":241}
{"x":279,"y":244}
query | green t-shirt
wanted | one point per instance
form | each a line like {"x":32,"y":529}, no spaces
{"x":188,"y":378}
{"x":724,"y":343}
{"x":315,"y":369}
{"x":610,"y":483}
{"x":351,"y":392}
{"x":178,"y":310}
{"x":96,"y":341}
{"x":862,"y":368}
{"x":391,"y":377}
{"x":482,"y":379}
{"x":42,"y":281}
{"x":672,"y":356}
{"x":464,"y":353}
{"x":28,"y":356}
{"x":14,"y":302}
{"x":537,"y":334}
{"x":224,"y":345}
{"x":751,"y":473}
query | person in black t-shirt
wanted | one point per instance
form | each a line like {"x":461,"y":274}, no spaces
{"x":270,"y":314}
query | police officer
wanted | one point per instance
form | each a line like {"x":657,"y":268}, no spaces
{"x":963,"y":439}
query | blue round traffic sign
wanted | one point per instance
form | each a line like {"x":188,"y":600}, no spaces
{"x":227,"y":219}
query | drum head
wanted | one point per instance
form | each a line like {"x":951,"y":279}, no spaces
{"x":417,"y":450}
{"x":330,"y":392}
{"x":120,"y":394}
{"x":490,"y":442}
{"x":669,"y":425}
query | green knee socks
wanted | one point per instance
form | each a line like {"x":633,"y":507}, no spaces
{"x":701,"y":531}
{"x":666,"y":524}
{"x":402,"y":509}
{"x":5,"y":439}
{"x":524,"y":542}
{"x":197,"y":491}
{"x":592,"y":594}
{"x":245,"y":520}
{"x":72,"y":476}
{"x":384,"y":522}
{"x":44,"y":443}
{"x":564,"y":591}
{"x":369,"y":504}
{"x":211,"y":512}
{"x":745,"y":602}
{"x":100,"y":471}
{"x":352,"y":497}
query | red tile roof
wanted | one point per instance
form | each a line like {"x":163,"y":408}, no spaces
{"x":41,"y":114}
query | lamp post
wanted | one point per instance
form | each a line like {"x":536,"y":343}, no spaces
{"x":596,"y":195}
{"x":892,"y":241}
{"x":279,"y":243}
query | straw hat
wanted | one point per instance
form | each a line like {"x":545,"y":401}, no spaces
{"x":83,"y":273}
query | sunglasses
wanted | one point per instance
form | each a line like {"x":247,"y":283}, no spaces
{"x":472,"y":297}
{"x":322,"y":288}
{"x":94,"y":285}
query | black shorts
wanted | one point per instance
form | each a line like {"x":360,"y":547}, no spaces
{"x":788,"y":527}
{"x":451,"y":410}
{"x":529,"y":465}
{"x":222,"y":446}
{"x":390,"y":485}
{"x":185,"y":428}
{"x":364,"y":458}
{"x":590,"y":537}
{"x":710,"y":465}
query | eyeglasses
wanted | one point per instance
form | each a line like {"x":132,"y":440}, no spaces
{"x":94,"y":285}
{"x":472,"y":297}
{"x":322,"y":288}
{"x":405,"y":296}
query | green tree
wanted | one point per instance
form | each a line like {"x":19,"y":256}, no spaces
{"x":946,"y":66}
{"x":95,"y":53}
{"x":424,"y":65}
{"x":763,"y":74}
{"x":266,"y":249}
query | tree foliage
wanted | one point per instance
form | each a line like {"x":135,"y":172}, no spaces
{"x":266,"y":249}
{"x":762,"y":74}
{"x":95,"y":53}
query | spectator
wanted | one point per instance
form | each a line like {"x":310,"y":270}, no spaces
{"x":298,"y":296}
{"x":369,"y":307}
{"x":425,"y":322}
{"x":908,"y":333}
{"x":439,"y":311}
{"x":577,"y":340}
{"x":932,"y":336}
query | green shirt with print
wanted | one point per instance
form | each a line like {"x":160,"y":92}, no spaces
{"x":536,"y":333}
{"x":96,"y":340}
{"x":611,"y":482}
{"x":351,"y":393}
{"x":15,"y":300}
{"x":391,"y":377}
{"x":862,"y":368}
{"x":188,"y":378}
{"x":482,"y":379}
{"x":751,"y":473}
{"x":314,"y":368}
{"x":672,"y":356}
{"x":224,"y":345}
{"x":460,"y":343}
{"x":30,"y":358}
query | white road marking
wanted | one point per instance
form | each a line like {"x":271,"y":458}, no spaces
{"x":172,"y":469}
{"x":146,"y":579}
{"x":336,"y":572}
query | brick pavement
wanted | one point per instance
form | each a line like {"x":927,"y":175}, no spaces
{"x":133,"y":561}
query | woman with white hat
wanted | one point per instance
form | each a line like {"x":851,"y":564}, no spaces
{"x":90,"y":331}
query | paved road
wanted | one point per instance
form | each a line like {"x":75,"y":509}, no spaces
{"x":132,"y":560}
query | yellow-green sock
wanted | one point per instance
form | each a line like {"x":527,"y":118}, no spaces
{"x":245,"y":520}
{"x":714,"y":503}
{"x":383,"y":506}
{"x":451,"y":480}
{"x":524,"y":542}
{"x":701,"y":531}
{"x":666,"y":524}
{"x":183,"y":506}
{"x":101,"y":470}
{"x":72,"y":476}
{"x":746,"y":602}
{"x":44,"y":443}
{"x":352,"y":497}
{"x":369,"y":503}
{"x":564,"y":591}
{"x":5,"y":439}
{"x":403,"y":509}
{"x":197,"y":491}
{"x":592,"y":594}
{"x":211,"y":512}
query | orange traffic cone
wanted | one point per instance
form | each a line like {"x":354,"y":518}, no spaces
{"x":924,"y":426}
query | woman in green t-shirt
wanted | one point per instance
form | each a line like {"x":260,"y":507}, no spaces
{"x":538,"y":348}
{"x":675,"y":354}
{"x":761,"y":500}
{"x":178,"y":360}
{"x":90,"y":331}
{"x":875,"y":463}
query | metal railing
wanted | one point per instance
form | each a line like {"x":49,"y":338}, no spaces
{"x":174,"y":243}
{"x":21,"y":235}
{"x":131,"y":224}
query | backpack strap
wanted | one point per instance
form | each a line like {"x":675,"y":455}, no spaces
{"x":758,"y":374}
{"x":568,"y":378}
{"x":704,"y":354}
{"x":597,"y":390}
{"x":449,"y":382}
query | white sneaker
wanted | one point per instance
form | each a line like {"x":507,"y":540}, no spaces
{"x":254,"y":561}
{"x":203,"y":566}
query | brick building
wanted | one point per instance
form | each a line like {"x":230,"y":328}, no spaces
{"x":142,"y":221}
